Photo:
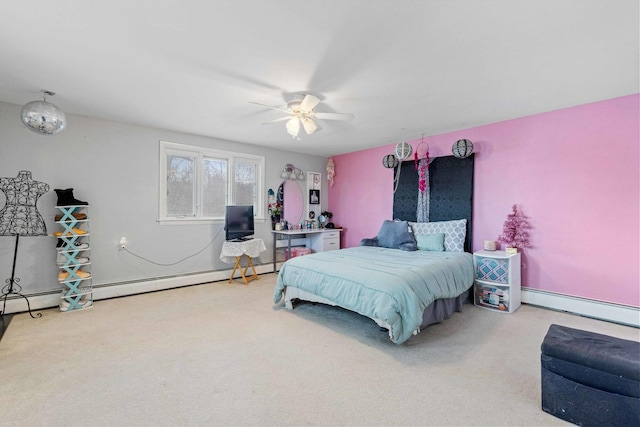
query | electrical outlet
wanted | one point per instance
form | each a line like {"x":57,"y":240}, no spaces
{"x":123,"y":242}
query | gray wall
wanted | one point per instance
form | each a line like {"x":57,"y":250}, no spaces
{"x":114,"y":167}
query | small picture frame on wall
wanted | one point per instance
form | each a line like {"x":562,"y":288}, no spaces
{"x":314,"y":180}
{"x":314,"y":197}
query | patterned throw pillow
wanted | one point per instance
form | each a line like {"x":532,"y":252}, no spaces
{"x":454,"y":232}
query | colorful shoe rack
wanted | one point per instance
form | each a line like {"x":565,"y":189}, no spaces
{"x":73,"y":258}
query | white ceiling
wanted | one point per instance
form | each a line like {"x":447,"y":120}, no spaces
{"x":403,"y":68}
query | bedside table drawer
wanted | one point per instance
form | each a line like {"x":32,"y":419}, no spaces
{"x":492,"y":269}
{"x":330,"y":244}
{"x":324,"y":240}
{"x":331,"y":235}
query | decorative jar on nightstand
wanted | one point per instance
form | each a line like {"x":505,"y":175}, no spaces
{"x":497,"y":284}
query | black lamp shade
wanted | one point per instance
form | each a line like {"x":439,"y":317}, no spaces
{"x":462,"y":148}
{"x":389,"y":161}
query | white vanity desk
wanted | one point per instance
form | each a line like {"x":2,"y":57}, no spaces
{"x":317,"y":239}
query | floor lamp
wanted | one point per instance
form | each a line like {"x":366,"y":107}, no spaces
{"x":20,"y":217}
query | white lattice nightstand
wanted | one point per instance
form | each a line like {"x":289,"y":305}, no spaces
{"x":497,"y":284}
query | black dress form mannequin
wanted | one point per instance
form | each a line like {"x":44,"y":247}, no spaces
{"x":20,"y":217}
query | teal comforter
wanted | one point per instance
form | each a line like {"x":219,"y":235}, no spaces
{"x":387,"y":284}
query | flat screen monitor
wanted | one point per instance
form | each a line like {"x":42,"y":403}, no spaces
{"x":238,"y":222}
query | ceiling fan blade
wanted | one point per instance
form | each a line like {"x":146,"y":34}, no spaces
{"x":309,"y":103}
{"x":284,"y":110}
{"x":310,"y":126}
{"x":279,"y":119}
{"x":333,"y":116}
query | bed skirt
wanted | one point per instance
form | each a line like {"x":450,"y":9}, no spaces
{"x":437,"y":312}
{"x":442,"y":309}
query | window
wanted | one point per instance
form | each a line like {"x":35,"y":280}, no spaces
{"x":197,"y":183}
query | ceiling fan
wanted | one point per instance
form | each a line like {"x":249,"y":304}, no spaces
{"x":300,"y":110}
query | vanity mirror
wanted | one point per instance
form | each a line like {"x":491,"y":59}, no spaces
{"x":290,"y":196}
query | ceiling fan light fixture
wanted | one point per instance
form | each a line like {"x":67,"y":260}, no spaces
{"x":301,"y":110}
{"x":294,"y":105}
{"x":293,"y":126}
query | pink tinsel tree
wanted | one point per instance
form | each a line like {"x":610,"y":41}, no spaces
{"x":514,"y":233}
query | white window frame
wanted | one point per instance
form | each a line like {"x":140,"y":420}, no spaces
{"x":200,"y":153}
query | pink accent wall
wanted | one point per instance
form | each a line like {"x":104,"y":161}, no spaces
{"x":575,"y":173}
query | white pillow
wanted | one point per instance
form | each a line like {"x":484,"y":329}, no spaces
{"x":454,"y":231}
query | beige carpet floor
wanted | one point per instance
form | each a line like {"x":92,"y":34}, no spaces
{"x":223,"y":354}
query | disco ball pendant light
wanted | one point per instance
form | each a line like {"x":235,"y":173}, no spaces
{"x":43,"y":117}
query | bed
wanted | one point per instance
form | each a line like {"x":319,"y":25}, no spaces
{"x":402,"y":289}
{"x":395,"y":288}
